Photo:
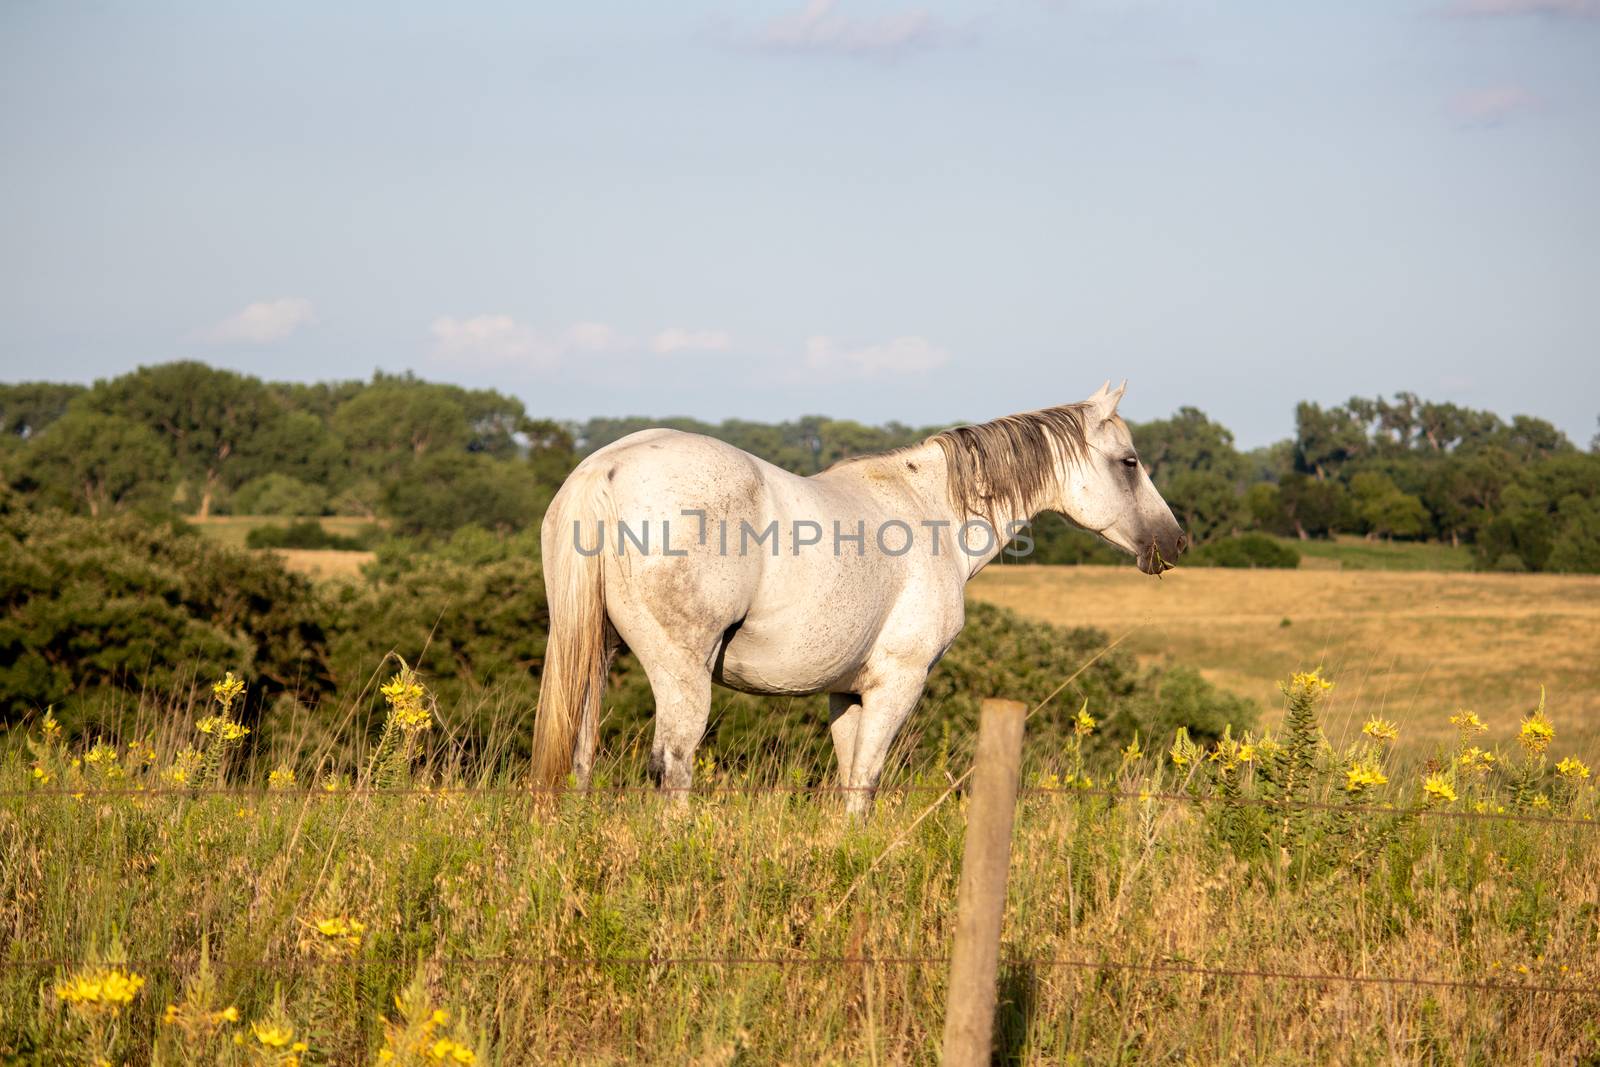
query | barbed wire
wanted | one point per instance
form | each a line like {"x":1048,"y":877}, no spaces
{"x":537,"y":792}
{"x":508,"y":962}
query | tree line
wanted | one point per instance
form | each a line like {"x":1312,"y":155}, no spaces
{"x":426,"y":459}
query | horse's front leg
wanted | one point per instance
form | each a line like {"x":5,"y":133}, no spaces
{"x":844,"y":718}
{"x":884,"y":709}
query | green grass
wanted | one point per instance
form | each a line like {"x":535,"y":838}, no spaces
{"x":1358,"y":554}
{"x":525,"y":918}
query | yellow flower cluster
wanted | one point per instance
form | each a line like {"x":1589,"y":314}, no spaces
{"x":1536,"y":732}
{"x":1364,"y":775}
{"x":405,"y":696}
{"x":1308,"y":685}
{"x":1438,"y":788}
{"x":1572,"y":769}
{"x":1083,"y":724}
{"x":1381,"y":730}
{"x":275,"y":1043}
{"x":432,"y":1049}
{"x":341,"y":931}
{"x":1468,"y":723}
{"x":281,"y":778}
{"x":184,"y":767}
{"x":227,"y":691}
{"x":109,"y":990}
{"x":222,"y":728}
{"x":1476,"y":759}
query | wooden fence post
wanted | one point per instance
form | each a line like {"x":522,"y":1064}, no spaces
{"x":981,"y":900}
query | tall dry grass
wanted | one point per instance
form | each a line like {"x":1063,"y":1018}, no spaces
{"x":292,"y":907}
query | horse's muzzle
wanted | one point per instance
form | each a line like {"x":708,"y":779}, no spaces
{"x":1162,"y":553}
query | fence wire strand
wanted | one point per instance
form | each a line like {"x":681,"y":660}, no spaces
{"x":506,"y":963}
{"x":545,"y":793}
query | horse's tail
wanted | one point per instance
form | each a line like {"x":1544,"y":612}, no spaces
{"x":575,"y":658}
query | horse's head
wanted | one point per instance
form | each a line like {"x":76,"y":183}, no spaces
{"x":1110,"y":493}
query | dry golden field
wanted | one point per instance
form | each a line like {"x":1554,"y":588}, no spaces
{"x":1410,"y":645}
{"x":233,"y":529}
{"x":323,"y":564}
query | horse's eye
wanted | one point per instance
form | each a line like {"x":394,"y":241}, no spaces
{"x":1132,"y":462}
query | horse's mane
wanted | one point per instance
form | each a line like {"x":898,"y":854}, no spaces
{"x":1012,"y":460}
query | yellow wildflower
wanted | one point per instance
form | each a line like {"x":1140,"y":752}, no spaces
{"x":1476,"y":759}
{"x":281,"y":778}
{"x":112,"y":989}
{"x":405,"y":696}
{"x":1542,"y":802}
{"x":227,"y":691}
{"x":272,"y":1036}
{"x":1364,"y":775}
{"x":1438,"y":787}
{"x":225,"y":729}
{"x":1133,"y":751}
{"x":1536,"y":731}
{"x":1572,"y":768}
{"x":1306,"y":684}
{"x":1083,"y":724}
{"x":341,"y":931}
{"x":50,"y":727}
{"x":1468,"y":723}
{"x":1381,"y":730}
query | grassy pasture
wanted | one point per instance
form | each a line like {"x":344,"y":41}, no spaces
{"x":529,"y":922}
{"x":1411,"y":645}
{"x":1351,"y":553}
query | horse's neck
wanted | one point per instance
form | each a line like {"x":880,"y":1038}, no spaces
{"x":925,"y":469}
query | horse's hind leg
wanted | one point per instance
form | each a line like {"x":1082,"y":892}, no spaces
{"x":682,"y":686}
{"x":680,"y":677}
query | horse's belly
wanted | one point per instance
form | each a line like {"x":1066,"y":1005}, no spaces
{"x":781,"y":659}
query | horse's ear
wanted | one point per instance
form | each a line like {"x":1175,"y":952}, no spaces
{"x":1114,"y":397}
{"x":1100,"y":394}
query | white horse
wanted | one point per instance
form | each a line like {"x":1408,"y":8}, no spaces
{"x":714,"y":566}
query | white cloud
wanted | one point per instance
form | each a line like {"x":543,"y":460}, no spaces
{"x":902,"y":356}
{"x":821,"y":28}
{"x":1505,"y":8}
{"x":263,"y":323}
{"x":591,"y":337}
{"x":677,"y":339}
{"x":1492,"y":105}
{"x":502,"y":341}
{"x":486,"y":340}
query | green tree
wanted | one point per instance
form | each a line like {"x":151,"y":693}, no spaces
{"x":1312,"y":507}
{"x":278,"y":494}
{"x":28,"y":407}
{"x":393,"y":422}
{"x":1326,"y":440}
{"x":1384,"y":508}
{"x":208,"y":417}
{"x":451,"y":489}
{"x":98,"y":463}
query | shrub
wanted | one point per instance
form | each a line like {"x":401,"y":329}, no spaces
{"x":94,"y":607}
{"x":307,"y":534}
{"x":1244,"y":550}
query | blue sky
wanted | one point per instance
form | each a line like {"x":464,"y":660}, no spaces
{"x":868,"y":208}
